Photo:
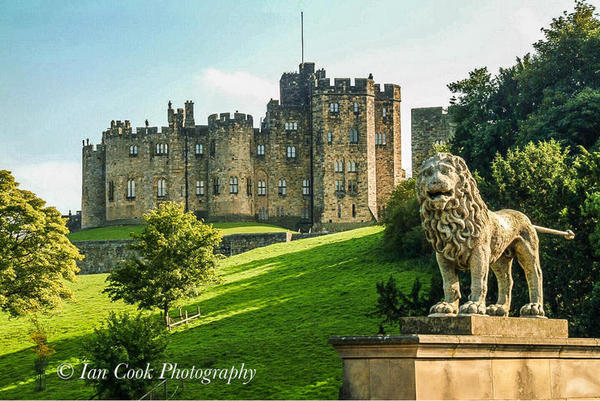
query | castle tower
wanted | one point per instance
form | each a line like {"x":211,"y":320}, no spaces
{"x":93,"y":199}
{"x":230,"y":142}
{"x":188,"y":114}
{"x":429,"y":126}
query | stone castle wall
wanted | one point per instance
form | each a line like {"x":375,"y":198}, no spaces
{"x":429,"y":126}
{"x":103,"y":256}
{"x":292,"y":181}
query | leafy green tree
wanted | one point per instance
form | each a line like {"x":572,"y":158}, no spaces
{"x":42,"y":351}
{"x":176,"y":257}
{"x":134,"y":342}
{"x":403,"y":235}
{"x":552,"y":93}
{"x":36,"y":257}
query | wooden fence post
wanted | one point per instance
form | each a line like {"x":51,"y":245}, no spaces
{"x":186,"y":317}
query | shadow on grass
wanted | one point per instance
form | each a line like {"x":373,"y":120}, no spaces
{"x":274,"y":314}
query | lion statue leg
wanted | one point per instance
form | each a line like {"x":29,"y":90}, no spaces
{"x":479,"y":266}
{"x":526,"y":248}
{"x":449,"y":306}
{"x":502,"y":270}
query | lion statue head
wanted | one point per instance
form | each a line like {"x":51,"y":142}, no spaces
{"x":452,"y":211}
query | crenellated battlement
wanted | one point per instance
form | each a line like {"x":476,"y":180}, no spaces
{"x":344,"y":85}
{"x":225,"y":118}
{"x":390,"y":92}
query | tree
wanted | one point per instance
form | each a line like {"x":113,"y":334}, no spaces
{"x":37,"y":257}
{"x":175,"y":257}
{"x":42,"y":351}
{"x":133,"y":343}
{"x":403,"y":235}
{"x":550,"y":94}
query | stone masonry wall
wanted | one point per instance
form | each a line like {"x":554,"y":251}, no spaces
{"x":429,"y":125}
{"x":103,"y":256}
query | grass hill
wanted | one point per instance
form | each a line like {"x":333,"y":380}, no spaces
{"x":123,"y":232}
{"x":274,"y":312}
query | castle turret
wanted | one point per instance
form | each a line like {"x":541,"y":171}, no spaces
{"x":93,"y":199}
{"x":229,"y":166}
{"x":188,"y":114}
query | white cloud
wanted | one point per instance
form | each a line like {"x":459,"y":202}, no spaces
{"x":57,"y":182}
{"x":239,"y":83}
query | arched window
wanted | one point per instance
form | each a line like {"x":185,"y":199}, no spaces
{"x":199,"y":149}
{"x":291,"y":152}
{"x":233,"y":185}
{"x":330,"y":138}
{"x":133,"y":150}
{"x":355,"y":107}
{"x":262,"y":188}
{"x":161,"y":189}
{"x":162,"y":149}
{"x":282,"y":187}
{"x":130,"y":189}
{"x":353,"y":136}
{"x":260,"y":150}
{"x":339,"y":166}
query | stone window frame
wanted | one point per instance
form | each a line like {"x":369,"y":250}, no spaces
{"x":352,"y":186}
{"x":340,"y":186}
{"x":384,"y":112}
{"x":262,"y":188}
{"x":291,"y":152}
{"x":380,"y":139}
{"x":162,"y":149}
{"x":279,"y":211}
{"x":260,"y":150}
{"x":282,"y":187}
{"x":200,"y":186}
{"x":133,"y":150}
{"x":213,"y":147}
{"x":291,"y":126}
{"x":130,"y":189}
{"x":354,"y":136}
{"x":233,"y":185}
{"x":216,"y":186}
{"x":161,"y":188}
{"x":339,"y":166}
{"x":111,"y":191}
{"x":355,"y":108}
{"x":305,"y":187}
{"x":199,"y":149}
{"x":352,"y":167}
{"x":329,"y":138}
{"x":353,"y":211}
{"x":305,"y":213}
{"x":263,"y":213}
{"x":249,"y":186}
{"x":339,"y":211}
{"x":334,"y":108}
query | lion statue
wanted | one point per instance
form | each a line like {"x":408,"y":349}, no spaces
{"x":467,"y":236}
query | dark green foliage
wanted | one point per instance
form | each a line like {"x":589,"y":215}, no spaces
{"x":176,"y":257}
{"x":404,"y":236}
{"x":553,"y":93}
{"x":136,"y":341}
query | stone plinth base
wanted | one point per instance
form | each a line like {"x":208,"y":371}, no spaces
{"x":473,"y":367}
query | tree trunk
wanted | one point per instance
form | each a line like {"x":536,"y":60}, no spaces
{"x":166,"y":313}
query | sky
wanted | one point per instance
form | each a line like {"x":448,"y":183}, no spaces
{"x":68,"y":68}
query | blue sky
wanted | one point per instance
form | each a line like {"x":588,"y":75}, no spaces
{"x":68,"y":68}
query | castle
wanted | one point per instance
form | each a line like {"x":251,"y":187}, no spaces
{"x":325,"y":156}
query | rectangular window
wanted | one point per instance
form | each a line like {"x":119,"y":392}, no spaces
{"x":355,"y":108}
{"x":111,"y":191}
{"x":213,"y":147}
{"x":353,"y":136}
{"x":263,"y":213}
{"x":217,"y":186}
{"x":383,"y":139}
{"x":133,"y":150}
{"x":291,"y":126}
{"x":330,"y":138}
{"x":130,"y":189}
{"x":282,"y":187}
{"x":339,"y":186}
{"x":199,"y":149}
{"x":352,"y":186}
{"x":334,"y":107}
{"x":383,"y":112}
{"x":305,"y":187}
{"x":305,"y":213}
{"x":249,"y":186}
{"x":260,"y":150}
{"x":161,"y":189}
{"x":352,"y":167}
{"x":262,"y":188}
{"x":233,"y":185}
{"x":200,"y":188}
{"x":162,"y":149}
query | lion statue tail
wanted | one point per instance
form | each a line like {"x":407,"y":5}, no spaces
{"x":569,"y":235}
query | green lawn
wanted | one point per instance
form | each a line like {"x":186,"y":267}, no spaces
{"x":123,"y":232}
{"x":274,"y":311}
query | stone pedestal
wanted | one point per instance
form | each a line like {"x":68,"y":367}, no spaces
{"x":474,"y":358}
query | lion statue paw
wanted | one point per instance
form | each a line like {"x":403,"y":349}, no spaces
{"x":443,"y":308}
{"x":532,"y":310}
{"x":497,"y":310}
{"x":472,"y":308}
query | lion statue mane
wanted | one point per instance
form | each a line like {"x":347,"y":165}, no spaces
{"x":467,"y":236}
